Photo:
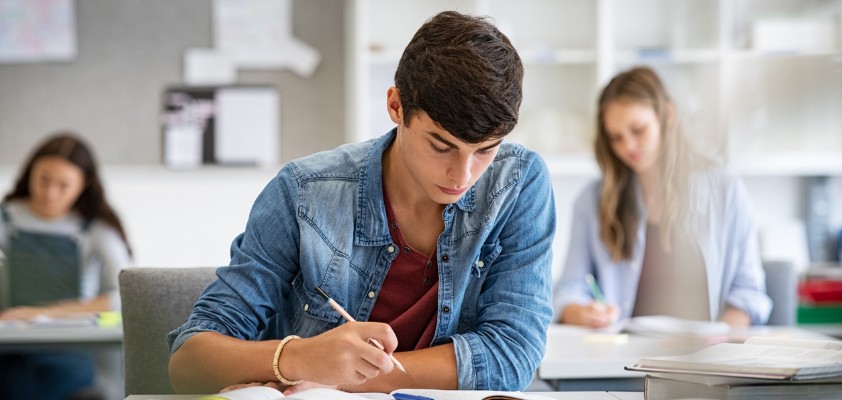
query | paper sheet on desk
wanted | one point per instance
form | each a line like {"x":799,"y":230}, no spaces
{"x":470,"y":394}
{"x":265,"y":393}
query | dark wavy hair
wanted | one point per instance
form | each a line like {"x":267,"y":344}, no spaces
{"x":465,"y":74}
{"x":91,"y":203}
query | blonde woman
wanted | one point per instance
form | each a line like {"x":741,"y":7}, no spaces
{"x":665,"y":231}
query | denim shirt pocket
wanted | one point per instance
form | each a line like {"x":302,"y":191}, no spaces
{"x":487,"y":254}
{"x":314,"y":314}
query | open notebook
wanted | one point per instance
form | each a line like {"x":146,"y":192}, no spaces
{"x":783,"y":359}
{"x":264,"y":393}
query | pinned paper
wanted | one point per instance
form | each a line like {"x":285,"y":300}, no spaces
{"x":32,"y":31}
{"x":258,"y":34}
{"x":247,"y":126}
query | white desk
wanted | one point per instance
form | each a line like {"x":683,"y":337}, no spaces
{"x":580,"y":353}
{"x":40,"y":336}
{"x":552,"y":395}
{"x":106,"y":345}
{"x":834,"y":330}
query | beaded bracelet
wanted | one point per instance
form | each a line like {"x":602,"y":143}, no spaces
{"x":275,"y":367}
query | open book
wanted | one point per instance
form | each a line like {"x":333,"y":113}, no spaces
{"x":782,"y":359}
{"x":264,"y":393}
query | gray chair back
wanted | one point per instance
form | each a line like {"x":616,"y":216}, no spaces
{"x":781,"y":286}
{"x":155,"y":301}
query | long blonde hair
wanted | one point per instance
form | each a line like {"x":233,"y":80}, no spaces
{"x":619,"y":208}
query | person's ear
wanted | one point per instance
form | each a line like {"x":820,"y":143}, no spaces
{"x":671,"y":117}
{"x":393,"y":105}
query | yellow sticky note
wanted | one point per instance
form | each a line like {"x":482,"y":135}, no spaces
{"x":109,"y":318}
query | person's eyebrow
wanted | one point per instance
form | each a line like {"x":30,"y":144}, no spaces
{"x":443,"y":140}
{"x":453,"y":146}
{"x":491,"y":146}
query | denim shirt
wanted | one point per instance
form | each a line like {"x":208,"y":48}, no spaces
{"x":322,"y":222}
{"x":722,"y":224}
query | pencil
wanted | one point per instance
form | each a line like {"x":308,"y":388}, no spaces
{"x":349,"y":318}
{"x":595,"y":291}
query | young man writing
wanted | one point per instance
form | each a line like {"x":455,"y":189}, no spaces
{"x":436,"y":234}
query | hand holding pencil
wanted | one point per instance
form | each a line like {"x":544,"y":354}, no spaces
{"x":597,"y":314}
{"x":349,"y":318}
{"x":343,"y":356}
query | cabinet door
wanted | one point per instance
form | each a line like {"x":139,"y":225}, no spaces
{"x":784,"y":86}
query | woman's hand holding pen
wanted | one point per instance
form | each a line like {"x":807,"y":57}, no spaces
{"x":597,"y":314}
{"x":341,"y":356}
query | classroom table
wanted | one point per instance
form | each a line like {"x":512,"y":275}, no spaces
{"x":579,"y":358}
{"x":834,"y":329}
{"x":18,"y":336}
{"x":597,"y":395}
{"x":105,"y":344}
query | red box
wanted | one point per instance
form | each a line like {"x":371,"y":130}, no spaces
{"x":820,"y":291}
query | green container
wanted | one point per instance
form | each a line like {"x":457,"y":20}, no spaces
{"x":820,"y":313}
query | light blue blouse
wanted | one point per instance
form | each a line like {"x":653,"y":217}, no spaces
{"x":722,"y":224}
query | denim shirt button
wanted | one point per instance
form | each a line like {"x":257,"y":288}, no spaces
{"x":390,"y":249}
{"x":306,"y":307}
{"x":444,"y":257}
{"x":445,"y":310}
{"x":371,"y":294}
{"x":480,"y":264}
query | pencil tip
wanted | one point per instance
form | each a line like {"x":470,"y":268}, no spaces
{"x":322,"y":293}
{"x":398,"y":364}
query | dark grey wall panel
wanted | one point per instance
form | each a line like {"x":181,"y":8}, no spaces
{"x":129,"y":50}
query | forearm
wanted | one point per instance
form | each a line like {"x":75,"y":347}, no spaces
{"x":210,"y":361}
{"x":735,"y":317}
{"x":432,"y":368}
{"x":97,"y":304}
{"x":64,"y":308}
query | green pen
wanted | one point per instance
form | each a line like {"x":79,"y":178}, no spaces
{"x":595,"y":292}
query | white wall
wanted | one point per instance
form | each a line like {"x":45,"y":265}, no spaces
{"x":178,"y":218}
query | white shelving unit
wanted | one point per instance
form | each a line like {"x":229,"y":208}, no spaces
{"x":757,"y":83}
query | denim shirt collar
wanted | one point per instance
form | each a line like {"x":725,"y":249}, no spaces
{"x":373,"y":227}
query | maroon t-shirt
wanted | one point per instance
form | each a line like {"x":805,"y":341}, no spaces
{"x":408,"y":299}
